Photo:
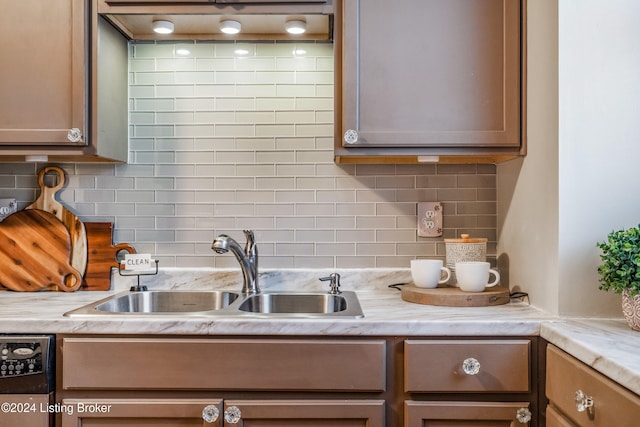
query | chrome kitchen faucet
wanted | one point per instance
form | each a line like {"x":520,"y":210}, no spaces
{"x":248,"y":258}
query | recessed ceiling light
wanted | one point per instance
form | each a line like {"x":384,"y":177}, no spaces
{"x":296,"y":26}
{"x":229,"y":26}
{"x":162,"y":27}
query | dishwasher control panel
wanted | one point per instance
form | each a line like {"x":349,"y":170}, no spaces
{"x":20,"y":358}
{"x":27,"y":363}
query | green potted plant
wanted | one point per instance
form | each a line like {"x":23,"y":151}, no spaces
{"x":620,"y":271}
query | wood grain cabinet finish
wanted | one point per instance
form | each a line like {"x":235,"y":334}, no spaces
{"x":613,"y":405}
{"x":313,"y":413}
{"x":428,"y":77}
{"x":554,"y":419}
{"x":94,"y":412}
{"x":439,"y":366}
{"x":250,"y":413}
{"x":458,"y":383}
{"x":462,"y":414}
{"x":64,"y":83}
{"x":333,"y":381}
{"x":43,"y":72}
{"x":223,"y":364}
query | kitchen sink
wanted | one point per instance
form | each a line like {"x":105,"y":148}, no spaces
{"x":160,"y":302}
{"x":289,"y":303}
{"x":221,"y":303}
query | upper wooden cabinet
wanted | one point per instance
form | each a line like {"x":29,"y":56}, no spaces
{"x":53,"y":81}
{"x":43,"y":72}
{"x":428,"y":78}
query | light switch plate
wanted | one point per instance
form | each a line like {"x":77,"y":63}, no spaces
{"x":7,"y":207}
{"x":429,"y":219}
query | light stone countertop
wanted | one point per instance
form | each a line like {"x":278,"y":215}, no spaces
{"x":609,"y":346}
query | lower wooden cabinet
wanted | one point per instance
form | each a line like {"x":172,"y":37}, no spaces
{"x":465,"y":414}
{"x":554,"y":419}
{"x":194,"y":412}
{"x":494,"y":375}
{"x":148,"y":380}
{"x":579,"y":396}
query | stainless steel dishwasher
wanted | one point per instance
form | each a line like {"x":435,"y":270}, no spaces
{"x":27,"y":380}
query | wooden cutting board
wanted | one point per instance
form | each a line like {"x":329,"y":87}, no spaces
{"x":454,"y":297}
{"x":34,"y":253}
{"x":47,"y":202}
{"x":101,"y":255}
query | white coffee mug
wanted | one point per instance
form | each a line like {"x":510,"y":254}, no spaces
{"x":473,"y":276}
{"x":427,"y":273}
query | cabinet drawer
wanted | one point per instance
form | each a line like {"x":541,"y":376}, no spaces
{"x":613,"y":405}
{"x":554,"y":419}
{"x":437,"y":366}
{"x":462,"y":414}
{"x":223,"y":364}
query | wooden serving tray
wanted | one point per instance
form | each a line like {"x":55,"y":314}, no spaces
{"x":454,"y":297}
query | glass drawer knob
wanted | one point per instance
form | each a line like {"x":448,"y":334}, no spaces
{"x":583,"y":402}
{"x":351,"y":136}
{"x":74,"y":135}
{"x":523,"y":415}
{"x":210,"y":414}
{"x":232,"y":415}
{"x":471,"y":366}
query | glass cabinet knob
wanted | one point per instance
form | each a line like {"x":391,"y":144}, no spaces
{"x":210,"y":414}
{"x":583,"y":402}
{"x":471,"y":366}
{"x":74,"y":135}
{"x":523,"y":415}
{"x":232,"y":415}
{"x":351,"y":136}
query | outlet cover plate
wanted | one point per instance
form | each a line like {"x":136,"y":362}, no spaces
{"x":429,"y":219}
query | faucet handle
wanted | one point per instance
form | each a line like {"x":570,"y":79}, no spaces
{"x":334,"y":283}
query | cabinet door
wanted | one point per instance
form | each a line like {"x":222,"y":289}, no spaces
{"x":431,"y":73}
{"x":554,"y":419}
{"x":312,"y":413}
{"x":609,"y":404}
{"x":462,"y":414}
{"x":43,"y":79}
{"x":137,"y":412}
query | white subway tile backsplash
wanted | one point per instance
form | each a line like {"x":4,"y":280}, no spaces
{"x":220,"y":143}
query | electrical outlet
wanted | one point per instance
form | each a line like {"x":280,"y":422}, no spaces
{"x":7,"y":207}
{"x":429,"y":219}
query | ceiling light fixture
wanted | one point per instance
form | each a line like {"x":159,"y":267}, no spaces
{"x":229,"y":26}
{"x":163,"y":27}
{"x":296,"y":26}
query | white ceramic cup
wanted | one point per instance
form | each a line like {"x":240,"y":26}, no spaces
{"x":427,"y":273}
{"x":473,"y":276}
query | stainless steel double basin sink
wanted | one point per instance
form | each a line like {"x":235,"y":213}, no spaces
{"x":222,"y":303}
